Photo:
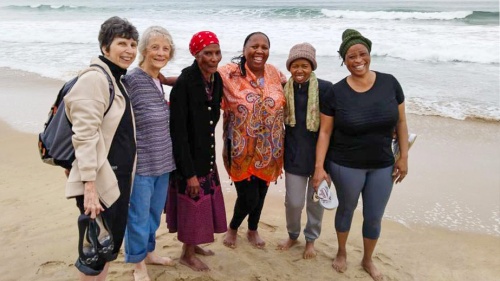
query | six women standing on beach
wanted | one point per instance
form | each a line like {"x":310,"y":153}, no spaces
{"x":351,"y":139}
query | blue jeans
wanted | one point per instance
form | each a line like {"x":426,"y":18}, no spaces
{"x":149,"y":194}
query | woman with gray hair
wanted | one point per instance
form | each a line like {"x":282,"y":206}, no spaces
{"x":154,"y":150}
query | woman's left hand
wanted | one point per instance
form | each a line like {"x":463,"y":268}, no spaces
{"x":400,"y":170}
{"x":193,"y":187}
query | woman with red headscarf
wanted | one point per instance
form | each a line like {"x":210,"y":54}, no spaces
{"x":195,"y":208}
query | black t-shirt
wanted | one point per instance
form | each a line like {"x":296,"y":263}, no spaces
{"x":300,"y":143}
{"x":363,"y":123}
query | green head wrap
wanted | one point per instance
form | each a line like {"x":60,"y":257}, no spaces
{"x":351,"y":37}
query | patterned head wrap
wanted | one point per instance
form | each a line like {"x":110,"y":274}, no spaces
{"x":200,"y":40}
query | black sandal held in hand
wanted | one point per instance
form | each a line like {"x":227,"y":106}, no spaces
{"x":105,"y":243}
{"x":88,"y":258}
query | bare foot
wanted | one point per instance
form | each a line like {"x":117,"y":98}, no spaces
{"x":370,"y":267}
{"x":204,"y":252}
{"x":230,"y":239}
{"x":194,"y":263}
{"x":286,"y":244}
{"x":254,"y":239}
{"x":340,"y":263}
{"x":141,"y":272}
{"x":309,"y":251}
{"x":153,"y":258}
{"x":188,"y":258}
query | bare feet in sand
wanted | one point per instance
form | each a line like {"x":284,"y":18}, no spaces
{"x":230,"y":239}
{"x":370,"y":267}
{"x":204,"y":252}
{"x":309,"y":251}
{"x":153,"y":258}
{"x":254,"y":239}
{"x":141,"y":272}
{"x":340,"y":262}
{"x":286,"y":244}
{"x":189,"y":259}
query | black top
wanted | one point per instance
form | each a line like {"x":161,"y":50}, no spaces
{"x":300,"y":143}
{"x":193,"y":118}
{"x":364,"y":123}
{"x":122,"y":151}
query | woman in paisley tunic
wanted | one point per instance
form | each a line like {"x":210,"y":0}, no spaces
{"x":253,"y":105}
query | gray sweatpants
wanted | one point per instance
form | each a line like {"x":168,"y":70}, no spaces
{"x":298,"y":189}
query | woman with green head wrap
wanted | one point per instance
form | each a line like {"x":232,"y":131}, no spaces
{"x":354,"y":145}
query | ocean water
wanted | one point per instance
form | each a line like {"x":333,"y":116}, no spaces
{"x":445,"y":53}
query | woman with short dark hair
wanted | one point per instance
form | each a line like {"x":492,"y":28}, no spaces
{"x":105,"y":149}
{"x":253,"y":105}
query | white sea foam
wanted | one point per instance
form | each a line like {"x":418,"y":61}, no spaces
{"x":396,"y":15}
{"x":446,"y":66}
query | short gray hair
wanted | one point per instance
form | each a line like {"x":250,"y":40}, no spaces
{"x":149,"y":33}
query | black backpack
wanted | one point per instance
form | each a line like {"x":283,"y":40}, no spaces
{"x":54,"y":143}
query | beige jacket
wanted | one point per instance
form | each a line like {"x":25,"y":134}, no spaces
{"x":94,"y":132}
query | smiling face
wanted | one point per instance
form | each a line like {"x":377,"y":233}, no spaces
{"x":121,"y":52}
{"x":208,"y":59}
{"x":301,"y":70}
{"x":156,"y":54}
{"x":256,"y":52}
{"x":357,"y":60}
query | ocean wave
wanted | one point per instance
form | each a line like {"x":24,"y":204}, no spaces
{"x":43,"y":7}
{"x":472,"y":17}
{"x":469,"y":16}
{"x":455,"y":109}
{"x":480,"y":17}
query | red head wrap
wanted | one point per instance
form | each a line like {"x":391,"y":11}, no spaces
{"x":202,"y":39}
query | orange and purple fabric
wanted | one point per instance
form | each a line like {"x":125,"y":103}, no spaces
{"x":253,"y":123}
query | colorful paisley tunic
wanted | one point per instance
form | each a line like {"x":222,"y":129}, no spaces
{"x":253,"y":123}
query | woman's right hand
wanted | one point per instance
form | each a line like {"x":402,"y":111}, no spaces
{"x":193,"y":187}
{"x":91,"y":203}
{"x":320,"y":175}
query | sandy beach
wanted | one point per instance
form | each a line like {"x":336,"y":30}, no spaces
{"x":442,"y":221}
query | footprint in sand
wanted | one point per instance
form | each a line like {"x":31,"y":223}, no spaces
{"x":268,"y":227}
{"x":386,"y":260}
{"x":51,"y":267}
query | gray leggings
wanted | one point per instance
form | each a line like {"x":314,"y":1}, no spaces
{"x":375,"y":185}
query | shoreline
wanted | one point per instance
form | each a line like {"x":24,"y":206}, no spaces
{"x":9,"y":78}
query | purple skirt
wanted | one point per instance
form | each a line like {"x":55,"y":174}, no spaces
{"x":196,"y":220}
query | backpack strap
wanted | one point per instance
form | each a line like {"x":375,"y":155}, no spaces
{"x":111,"y":87}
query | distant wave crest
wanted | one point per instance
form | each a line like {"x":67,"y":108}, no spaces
{"x":472,"y":17}
{"x":42,"y":7}
{"x":411,"y":15}
{"x":479,"y":17}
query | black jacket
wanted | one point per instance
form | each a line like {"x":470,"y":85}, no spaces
{"x":192,"y":122}
{"x":300,"y":144}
